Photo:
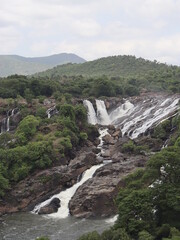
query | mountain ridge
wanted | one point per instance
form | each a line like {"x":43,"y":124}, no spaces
{"x":16,"y":64}
{"x":112,"y":66}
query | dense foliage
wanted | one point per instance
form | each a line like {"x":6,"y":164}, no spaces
{"x":125,"y":71}
{"x":39,"y":142}
{"x":112,"y":76}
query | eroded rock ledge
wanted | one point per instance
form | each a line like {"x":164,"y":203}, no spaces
{"x":96,"y":196}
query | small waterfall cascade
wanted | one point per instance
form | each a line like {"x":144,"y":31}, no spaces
{"x":102,"y":115}
{"x":51,"y":111}
{"x":91,"y":112}
{"x":163,"y":110}
{"x":124,"y":110}
{"x":66,"y":195}
{"x":5,"y":123}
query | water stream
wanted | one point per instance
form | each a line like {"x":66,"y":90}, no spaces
{"x":65,"y":196}
{"x":135,"y":118}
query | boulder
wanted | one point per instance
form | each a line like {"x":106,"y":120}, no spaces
{"x":52,"y":207}
{"x":105,"y":154}
{"x":117,"y":134}
{"x":108,"y":140}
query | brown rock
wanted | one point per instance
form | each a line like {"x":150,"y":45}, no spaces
{"x":96,"y":196}
{"x":52,"y":207}
{"x":117,"y":134}
{"x":108,"y":140}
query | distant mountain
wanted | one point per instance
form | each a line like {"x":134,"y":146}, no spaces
{"x":123,"y":66}
{"x":14,"y":64}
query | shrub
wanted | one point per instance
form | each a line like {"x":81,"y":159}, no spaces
{"x":90,"y":236}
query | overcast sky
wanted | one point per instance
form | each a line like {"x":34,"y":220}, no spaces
{"x":91,"y":28}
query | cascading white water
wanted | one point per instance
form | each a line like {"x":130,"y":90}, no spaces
{"x":102,"y":115}
{"x":65,"y":196}
{"x":3,"y":125}
{"x":124,"y":110}
{"x":48,"y":112}
{"x":8,"y":120}
{"x":158,"y":115}
{"x":51,"y":111}
{"x":137,"y":119}
{"x":91,"y":112}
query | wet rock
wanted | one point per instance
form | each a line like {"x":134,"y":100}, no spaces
{"x":117,"y":133}
{"x":52,"y":207}
{"x":152,"y":143}
{"x":96,"y":150}
{"x":105,"y":154}
{"x":108,"y":139}
{"x":96,"y":196}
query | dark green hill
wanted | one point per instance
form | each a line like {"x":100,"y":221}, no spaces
{"x":122,"y":66}
{"x":14,"y":64}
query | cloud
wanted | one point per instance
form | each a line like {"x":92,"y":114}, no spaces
{"x":92,"y":29}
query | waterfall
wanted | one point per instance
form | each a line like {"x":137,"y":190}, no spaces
{"x":3,"y":125}
{"x":102,"y":115}
{"x":65,"y":196}
{"x":134,"y":119}
{"x":48,"y":113}
{"x":159,"y":115}
{"x":124,"y":110}
{"x":8,"y":123}
{"x":51,"y":111}
{"x":91,"y":112}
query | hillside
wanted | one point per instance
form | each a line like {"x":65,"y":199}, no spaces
{"x":14,"y":64}
{"x":123,"y":66}
{"x":127,"y":74}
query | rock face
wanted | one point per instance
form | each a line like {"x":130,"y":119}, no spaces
{"x":44,"y":184}
{"x":96,"y":196}
{"x":51,"y":207}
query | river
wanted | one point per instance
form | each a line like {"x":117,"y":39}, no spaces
{"x":28,"y":226}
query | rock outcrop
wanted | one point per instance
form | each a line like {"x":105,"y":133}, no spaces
{"x":44,"y":184}
{"x":96,"y":196}
{"x":51,"y":207}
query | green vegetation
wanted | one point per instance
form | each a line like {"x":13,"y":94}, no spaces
{"x":130,"y":147}
{"x":39,"y":142}
{"x":111,"y":76}
{"x":127,"y":73}
{"x":149,"y":203}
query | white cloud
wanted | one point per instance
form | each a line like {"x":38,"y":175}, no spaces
{"x":92,"y":29}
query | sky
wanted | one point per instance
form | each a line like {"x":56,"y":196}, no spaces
{"x":91,"y":28}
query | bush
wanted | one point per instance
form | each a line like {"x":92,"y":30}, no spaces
{"x":90,"y":236}
{"x":41,"y":112}
{"x":144,"y":235}
{"x":67,"y":110}
{"x":128,"y":147}
{"x":83,"y":136}
{"x":27,"y":128}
